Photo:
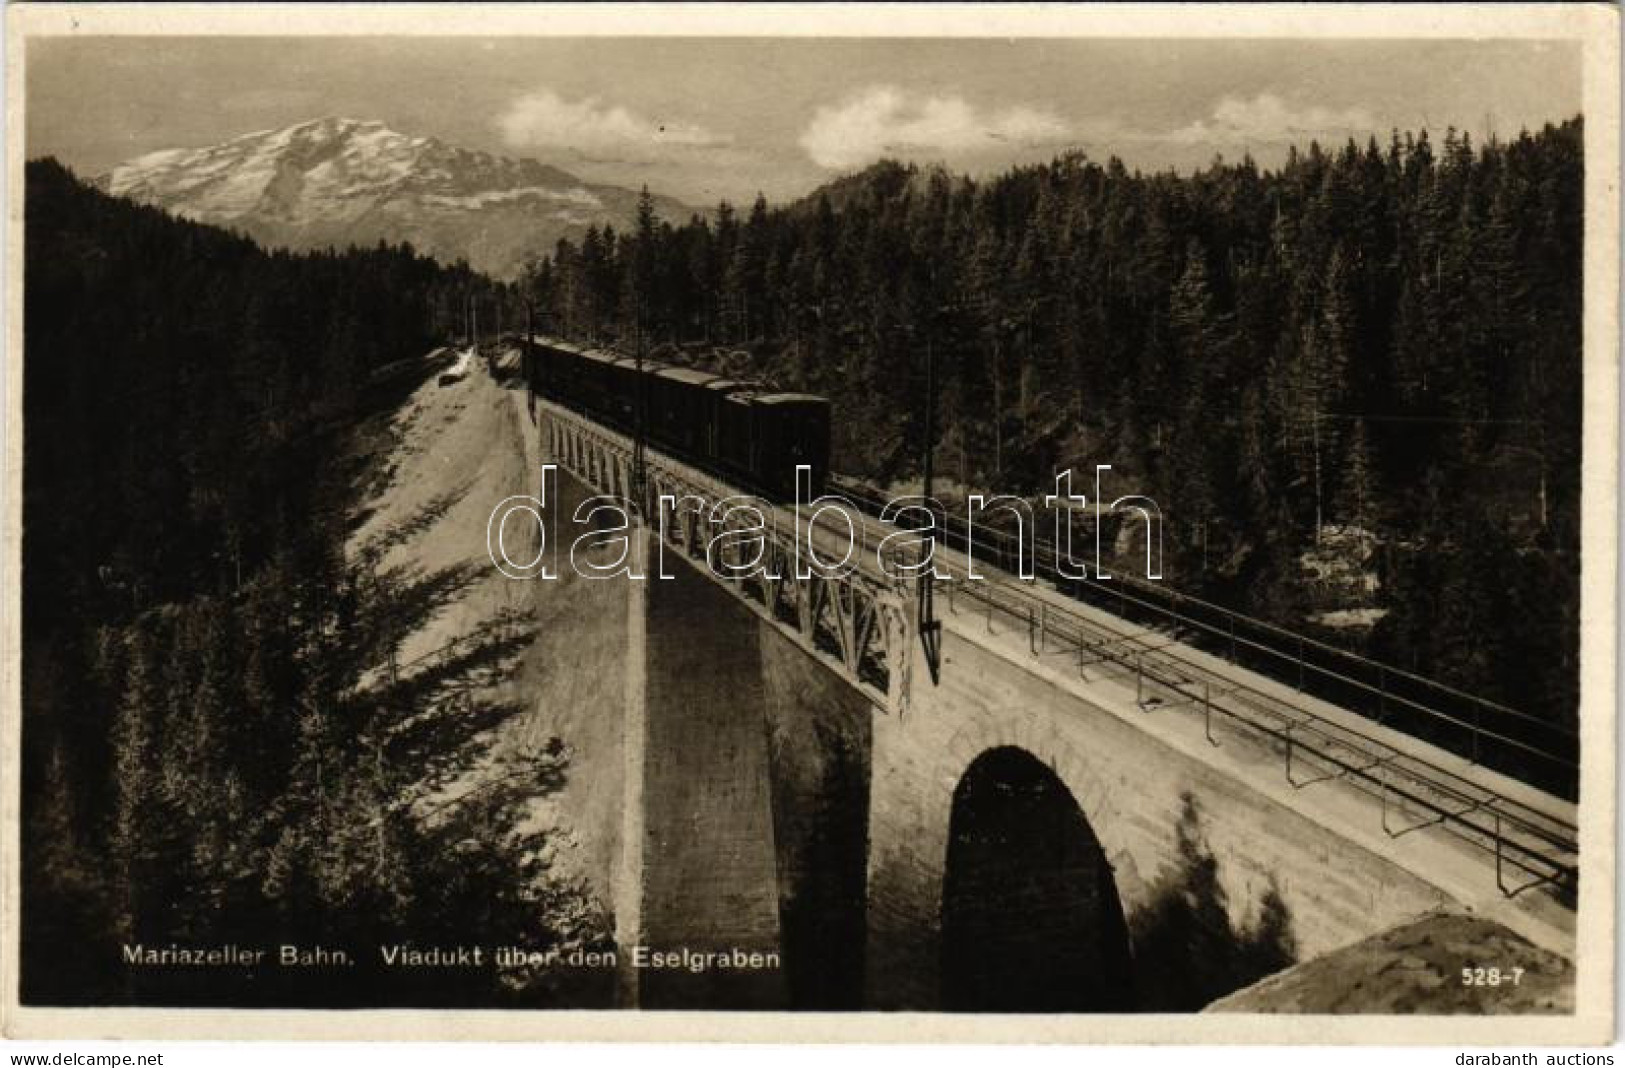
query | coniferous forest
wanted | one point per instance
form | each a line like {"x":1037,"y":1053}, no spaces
{"x":211,"y":754}
{"x":1353,"y":383}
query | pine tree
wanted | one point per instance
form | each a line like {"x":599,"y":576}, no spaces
{"x":1355,"y":502}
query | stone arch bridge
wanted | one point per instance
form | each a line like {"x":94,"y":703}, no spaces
{"x":1008,"y":834}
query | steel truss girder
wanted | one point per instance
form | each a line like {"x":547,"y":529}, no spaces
{"x":860,"y":625}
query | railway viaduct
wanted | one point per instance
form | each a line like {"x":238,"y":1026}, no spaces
{"x":1014,"y":822}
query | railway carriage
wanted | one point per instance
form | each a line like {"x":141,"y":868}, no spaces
{"x":682,"y":408}
{"x":789,"y":429}
{"x":736,"y":429}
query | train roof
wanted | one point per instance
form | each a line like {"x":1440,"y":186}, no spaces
{"x":755,"y":395}
{"x":738,"y":390}
{"x":690,"y":376}
{"x":790,"y":398}
{"x":650,"y":367}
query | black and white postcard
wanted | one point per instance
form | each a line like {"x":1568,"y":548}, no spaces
{"x":1069,"y":523}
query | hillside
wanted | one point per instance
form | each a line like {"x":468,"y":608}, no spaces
{"x":221,"y":739}
{"x":1417,"y":968}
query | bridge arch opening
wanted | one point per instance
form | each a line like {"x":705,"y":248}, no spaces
{"x":1031,"y":919}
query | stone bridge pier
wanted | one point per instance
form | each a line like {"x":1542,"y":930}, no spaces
{"x":1000,"y":845}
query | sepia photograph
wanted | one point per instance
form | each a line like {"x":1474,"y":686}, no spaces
{"x":741,"y":521}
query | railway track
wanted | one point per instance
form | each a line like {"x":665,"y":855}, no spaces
{"x":1532,"y":845}
{"x":1165,"y":650}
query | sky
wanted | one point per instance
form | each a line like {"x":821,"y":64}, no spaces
{"x":706,"y":119}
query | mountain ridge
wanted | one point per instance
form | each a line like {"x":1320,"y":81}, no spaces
{"x":338,"y":181}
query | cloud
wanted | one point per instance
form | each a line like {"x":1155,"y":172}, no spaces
{"x":589,"y":126}
{"x":1267,"y":119}
{"x":286,"y":100}
{"x":883,"y":120}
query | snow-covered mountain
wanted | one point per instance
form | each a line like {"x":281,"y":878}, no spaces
{"x":340,"y":181}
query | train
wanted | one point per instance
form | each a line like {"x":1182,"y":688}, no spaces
{"x":743,"y":431}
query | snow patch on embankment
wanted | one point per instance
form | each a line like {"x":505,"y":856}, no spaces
{"x":458,"y":450}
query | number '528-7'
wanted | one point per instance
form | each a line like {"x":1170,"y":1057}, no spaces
{"x":1491,"y":976}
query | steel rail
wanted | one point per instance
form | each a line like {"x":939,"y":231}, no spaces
{"x":1125,"y":575}
{"x":1536,"y":843}
{"x":1542,"y":846}
{"x":999,"y":541}
{"x":1032,"y":612}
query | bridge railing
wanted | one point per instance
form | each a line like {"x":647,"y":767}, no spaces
{"x":1529,"y":848}
{"x":861,"y":622}
{"x":1525,"y":746}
